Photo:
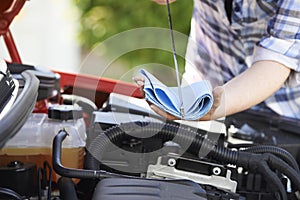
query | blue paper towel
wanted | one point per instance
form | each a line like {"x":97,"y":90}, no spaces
{"x":197,"y":97}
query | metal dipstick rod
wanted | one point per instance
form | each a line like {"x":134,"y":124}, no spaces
{"x":175,"y":61}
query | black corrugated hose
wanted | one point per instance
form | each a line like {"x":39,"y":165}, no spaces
{"x":282,"y":153}
{"x":185,"y":136}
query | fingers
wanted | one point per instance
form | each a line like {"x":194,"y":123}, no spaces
{"x":162,"y":2}
{"x":162,"y":113}
{"x":217,"y":93}
{"x":140,"y":81}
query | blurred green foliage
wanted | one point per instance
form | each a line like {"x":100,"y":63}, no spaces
{"x":101,"y":19}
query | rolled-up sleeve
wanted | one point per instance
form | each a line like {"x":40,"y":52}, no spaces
{"x":282,"y":43}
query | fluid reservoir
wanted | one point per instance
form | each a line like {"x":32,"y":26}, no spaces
{"x":33,"y":143}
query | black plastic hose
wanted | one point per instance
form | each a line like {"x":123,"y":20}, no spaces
{"x":273,"y":179}
{"x":60,"y":169}
{"x":47,"y":166}
{"x":74,"y":173}
{"x":39,"y":175}
{"x":287,"y":170}
{"x":12,"y":122}
{"x":10,"y":194}
{"x":184,"y":137}
{"x":181,"y":135}
{"x":67,"y":189}
{"x":282,"y":153}
{"x":253,"y":161}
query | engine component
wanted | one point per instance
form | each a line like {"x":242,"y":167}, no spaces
{"x":19,"y":177}
{"x":49,"y":81}
{"x":40,"y":129}
{"x":137,"y":189}
{"x":67,"y":189}
{"x":64,"y":112}
{"x":33,"y":142}
{"x":8,"y":89}
{"x":44,"y":182}
{"x":11,"y":123}
{"x":267,"y":164}
{"x":267,"y":128}
{"x":214,"y":175}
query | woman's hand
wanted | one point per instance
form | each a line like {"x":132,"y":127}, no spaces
{"x":162,"y":113}
{"x":217,"y":93}
{"x":162,"y":2}
{"x":140,"y":81}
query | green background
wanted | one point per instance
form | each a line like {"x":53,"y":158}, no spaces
{"x":101,"y":19}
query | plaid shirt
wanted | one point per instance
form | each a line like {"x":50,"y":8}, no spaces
{"x":219,"y":50}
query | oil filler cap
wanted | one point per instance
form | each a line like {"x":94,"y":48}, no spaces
{"x":65,"y":112}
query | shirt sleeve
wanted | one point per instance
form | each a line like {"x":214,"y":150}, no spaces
{"x":282,"y":43}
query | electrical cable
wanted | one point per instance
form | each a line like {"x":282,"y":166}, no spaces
{"x":11,"y":193}
{"x":47,"y":165}
{"x":39,"y":174}
{"x":282,"y":153}
{"x":273,"y":179}
{"x":286,"y":170}
{"x":277,"y":151}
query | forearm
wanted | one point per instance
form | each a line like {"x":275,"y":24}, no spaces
{"x":251,"y":87}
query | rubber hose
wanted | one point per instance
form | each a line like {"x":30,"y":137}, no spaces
{"x":282,"y":153}
{"x":12,"y":194}
{"x":39,"y":174}
{"x":286,"y":169}
{"x":273,"y":179}
{"x":60,"y":169}
{"x":47,"y":165}
{"x":224,"y":155}
{"x":67,"y":189}
{"x":169,"y":131}
{"x":11,"y":123}
{"x":184,"y":136}
{"x":165,"y":132}
{"x":248,"y":160}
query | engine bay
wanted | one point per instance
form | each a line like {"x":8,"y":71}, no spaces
{"x":123,"y":150}
{"x":70,"y":136}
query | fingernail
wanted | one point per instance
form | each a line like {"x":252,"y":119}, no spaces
{"x":153,"y":107}
{"x":140,"y":83}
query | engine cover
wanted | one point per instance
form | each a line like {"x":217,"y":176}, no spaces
{"x":137,"y":189}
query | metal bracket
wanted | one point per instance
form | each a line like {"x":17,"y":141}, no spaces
{"x":161,"y":171}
